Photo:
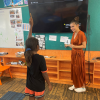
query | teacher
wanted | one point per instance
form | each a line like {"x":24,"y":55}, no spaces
{"x":78,"y":43}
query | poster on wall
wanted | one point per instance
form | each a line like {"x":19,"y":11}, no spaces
{"x":17,"y":2}
{"x":25,"y":26}
{"x":7,"y":2}
{"x":41,"y":39}
{"x":63,"y":38}
{"x":26,"y":2}
{"x":15,"y":18}
{"x":16,"y":23}
{"x":52,"y":38}
{"x":13,"y":23}
{"x":18,"y":34}
{"x":20,"y":44}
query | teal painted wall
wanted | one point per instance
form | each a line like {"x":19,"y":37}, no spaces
{"x":94,"y":12}
{"x":1,"y":4}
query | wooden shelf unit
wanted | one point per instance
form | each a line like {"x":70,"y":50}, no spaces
{"x":59,"y":69}
{"x":17,"y":71}
{"x":97,"y":73}
{"x":52,"y":67}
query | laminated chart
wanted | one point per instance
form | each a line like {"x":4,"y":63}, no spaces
{"x":26,"y":27}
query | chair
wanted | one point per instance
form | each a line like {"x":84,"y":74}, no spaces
{"x":2,"y":69}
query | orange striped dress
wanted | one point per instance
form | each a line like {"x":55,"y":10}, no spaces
{"x":78,"y":60}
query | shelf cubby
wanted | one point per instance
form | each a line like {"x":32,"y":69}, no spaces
{"x":52,"y":70}
{"x":97,"y":67}
{"x":97,"y":74}
{"x":52,"y":76}
{"x":64,"y":75}
{"x":97,"y":81}
{"x":51,"y":63}
{"x":91,"y":67}
{"x":91,"y":78}
{"x":7,"y":60}
{"x":63,"y":65}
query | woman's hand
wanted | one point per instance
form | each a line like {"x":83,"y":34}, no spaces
{"x":71,"y":45}
{"x":31,"y":21}
{"x":66,"y":45}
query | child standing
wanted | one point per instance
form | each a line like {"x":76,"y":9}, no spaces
{"x":36,"y":69}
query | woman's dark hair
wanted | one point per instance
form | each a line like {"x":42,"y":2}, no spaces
{"x":75,"y":20}
{"x":31,"y":45}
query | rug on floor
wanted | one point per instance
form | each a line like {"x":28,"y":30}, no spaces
{"x":13,"y":96}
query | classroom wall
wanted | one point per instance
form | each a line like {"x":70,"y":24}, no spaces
{"x":93,"y":11}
